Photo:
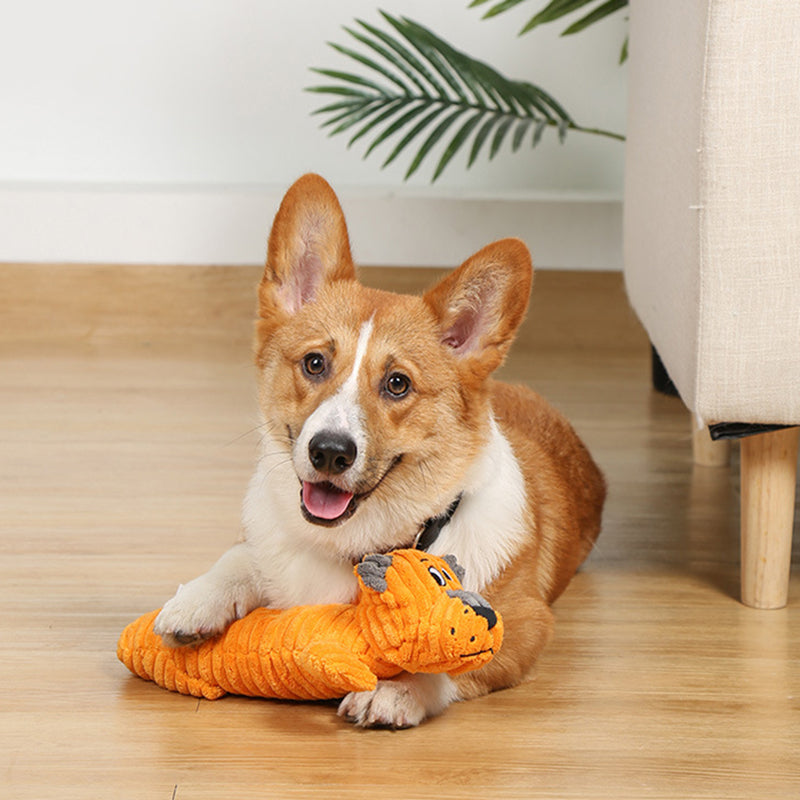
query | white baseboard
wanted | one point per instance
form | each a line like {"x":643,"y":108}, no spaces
{"x":229,"y":225}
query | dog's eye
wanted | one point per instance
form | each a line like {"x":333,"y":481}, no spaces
{"x":314,"y":365}
{"x":398,"y":385}
{"x":437,"y":576}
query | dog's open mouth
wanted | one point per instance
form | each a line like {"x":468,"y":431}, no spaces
{"x":326,"y":504}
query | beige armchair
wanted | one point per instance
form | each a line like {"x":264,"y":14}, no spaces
{"x":712,"y":240}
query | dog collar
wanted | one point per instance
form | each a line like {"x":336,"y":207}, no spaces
{"x":432,"y":527}
{"x":429,"y":530}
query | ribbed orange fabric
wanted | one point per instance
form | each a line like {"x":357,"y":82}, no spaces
{"x":324,"y":652}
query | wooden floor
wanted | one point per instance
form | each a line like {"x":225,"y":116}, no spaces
{"x":126,"y":417}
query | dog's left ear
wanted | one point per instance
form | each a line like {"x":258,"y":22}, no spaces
{"x":308,"y":246}
{"x":480,"y":305}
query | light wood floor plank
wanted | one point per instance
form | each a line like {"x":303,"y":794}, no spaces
{"x":127,"y":433}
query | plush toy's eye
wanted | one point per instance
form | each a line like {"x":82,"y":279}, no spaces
{"x":314,"y":365}
{"x":437,"y":576}
{"x":447,"y":576}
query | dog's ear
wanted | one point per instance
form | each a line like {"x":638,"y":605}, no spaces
{"x":480,"y":305}
{"x":308,"y":246}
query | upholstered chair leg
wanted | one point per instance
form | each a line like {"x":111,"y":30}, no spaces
{"x":705,"y":451}
{"x":768,"y":477}
{"x":661,"y":379}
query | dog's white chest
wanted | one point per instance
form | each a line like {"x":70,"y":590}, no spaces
{"x":488,"y":529}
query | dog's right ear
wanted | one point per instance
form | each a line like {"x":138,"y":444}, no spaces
{"x":308,"y":246}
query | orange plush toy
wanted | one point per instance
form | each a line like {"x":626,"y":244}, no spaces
{"x":411,"y":615}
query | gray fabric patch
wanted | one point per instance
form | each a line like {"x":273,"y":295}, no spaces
{"x":372,"y":571}
{"x":471,"y":599}
{"x":456,"y":567}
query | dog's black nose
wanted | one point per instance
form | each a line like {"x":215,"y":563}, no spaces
{"x":331,"y":452}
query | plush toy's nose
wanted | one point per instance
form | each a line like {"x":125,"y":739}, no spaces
{"x":487,"y":613}
{"x":477,"y":604}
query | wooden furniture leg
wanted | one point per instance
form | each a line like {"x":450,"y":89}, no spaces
{"x":768,"y":477}
{"x":705,"y":451}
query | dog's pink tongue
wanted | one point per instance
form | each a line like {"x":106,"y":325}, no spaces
{"x":324,"y":500}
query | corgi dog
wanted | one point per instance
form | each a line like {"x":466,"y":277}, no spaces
{"x":383,"y":426}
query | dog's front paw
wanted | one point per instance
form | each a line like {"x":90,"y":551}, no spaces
{"x":390,"y":705}
{"x":197,"y":612}
{"x":402,"y":702}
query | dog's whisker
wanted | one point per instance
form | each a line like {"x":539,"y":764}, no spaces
{"x":249,"y":433}
{"x":425,"y":471}
{"x":277,"y":465}
{"x":285,"y":445}
{"x":270,"y":454}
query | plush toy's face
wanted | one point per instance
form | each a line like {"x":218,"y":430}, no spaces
{"x":419,"y":616}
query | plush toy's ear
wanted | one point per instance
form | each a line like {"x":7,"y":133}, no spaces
{"x":456,"y":567}
{"x":308,"y":245}
{"x":480,"y":305}
{"x":372,"y":571}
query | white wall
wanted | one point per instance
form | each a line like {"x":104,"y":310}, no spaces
{"x":165,"y":131}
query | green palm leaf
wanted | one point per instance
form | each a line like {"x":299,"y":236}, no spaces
{"x":409,"y":78}
{"x":553,"y":11}
{"x":402,"y":52}
{"x":500,"y":8}
{"x":397,"y":124}
{"x":499,"y":135}
{"x":388,"y":111}
{"x":351,"y":118}
{"x":519,"y":134}
{"x":556,"y":9}
{"x":601,"y":12}
{"x":437,"y":134}
{"x":413,"y":133}
{"x":482,"y":135}
{"x":455,"y":144}
{"x":386,"y":53}
{"x":427,"y":47}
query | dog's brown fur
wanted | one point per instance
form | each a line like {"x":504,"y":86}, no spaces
{"x":566,"y":492}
